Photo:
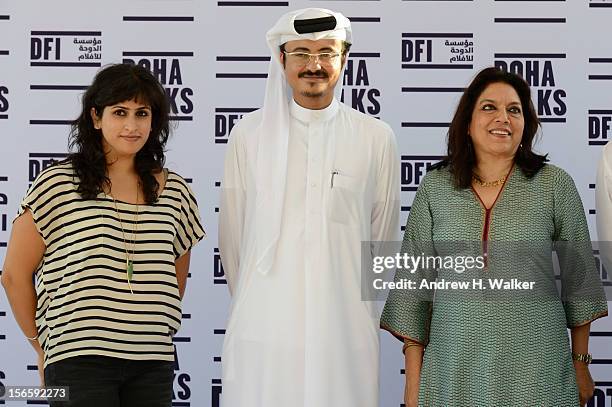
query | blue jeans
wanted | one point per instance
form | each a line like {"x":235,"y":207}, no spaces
{"x":100,"y":381}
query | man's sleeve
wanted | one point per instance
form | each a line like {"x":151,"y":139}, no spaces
{"x":232,"y":208}
{"x":603,"y":194}
{"x":385,"y":209}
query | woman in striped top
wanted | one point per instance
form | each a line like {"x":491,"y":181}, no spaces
{"x":107,"y":234}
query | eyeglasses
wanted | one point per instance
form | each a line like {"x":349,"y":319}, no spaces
{"x":303,"y":58}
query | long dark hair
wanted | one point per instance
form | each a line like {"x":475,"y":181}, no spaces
{"x":460,"y":156}
{"x":114,"y":84}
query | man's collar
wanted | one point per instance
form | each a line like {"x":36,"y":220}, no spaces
{"x":311,"y":116}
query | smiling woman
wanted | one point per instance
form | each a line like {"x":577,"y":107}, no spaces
{"x":493,"y":191}
{"x":495,"y":103}
{"x":497,"y":123}
{"x":125,"y":102}
{"x":115,"y":230}
{"x":125,"y":128}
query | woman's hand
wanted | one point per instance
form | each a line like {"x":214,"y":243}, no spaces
{"x":411,"y":397}
{"x":413,"y":355}
{"x":24,"y":253}
{"x":41,"y":370}
{"x":584,"y":382}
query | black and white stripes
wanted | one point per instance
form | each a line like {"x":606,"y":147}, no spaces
{"x":85,"y":305}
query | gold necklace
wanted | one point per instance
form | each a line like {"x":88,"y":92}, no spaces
{"x":129,"y":263}
{"x":486,"y":184}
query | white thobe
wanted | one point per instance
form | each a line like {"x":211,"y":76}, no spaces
{"x":603,"y":201}
{"x":302,"y":335}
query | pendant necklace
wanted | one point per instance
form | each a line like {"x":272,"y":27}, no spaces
{"x":129,"y":261}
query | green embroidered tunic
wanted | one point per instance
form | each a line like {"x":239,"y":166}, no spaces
{"x":499,"y":349}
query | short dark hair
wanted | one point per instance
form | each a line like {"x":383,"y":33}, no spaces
{"x":460,"y":157}
{"x":114,"y":84}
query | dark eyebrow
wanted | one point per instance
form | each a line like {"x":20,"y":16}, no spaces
{"x":304,"y":49}
{"x":493,"y":101}
{"x":127,"y":108}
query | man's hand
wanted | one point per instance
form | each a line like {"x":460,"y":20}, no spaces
{"x":586,"y":387}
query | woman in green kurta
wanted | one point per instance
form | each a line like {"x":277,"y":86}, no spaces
{"x":486,"y":347}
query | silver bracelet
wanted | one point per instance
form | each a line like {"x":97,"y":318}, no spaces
{"x":32,"y":338}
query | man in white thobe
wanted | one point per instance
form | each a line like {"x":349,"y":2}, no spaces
{"x":307,"y":179}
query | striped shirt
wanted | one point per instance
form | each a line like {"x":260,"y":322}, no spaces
{"x":85,"y":306}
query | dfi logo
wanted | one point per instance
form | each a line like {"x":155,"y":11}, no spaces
{"x":225,"y":119}
{"x":45,"y":48}
{"x":600,"y":127}
{"x":38,"y":162}
{"x":437,"y":50}
{"x":414,"y":168}
{"x":53,"y":48}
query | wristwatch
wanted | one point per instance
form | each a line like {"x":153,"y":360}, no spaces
{"x":583,"y":357}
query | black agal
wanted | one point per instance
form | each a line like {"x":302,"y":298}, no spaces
{"x":313,"y":25}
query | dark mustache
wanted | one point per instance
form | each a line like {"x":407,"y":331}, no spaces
{"x":316,"y":74}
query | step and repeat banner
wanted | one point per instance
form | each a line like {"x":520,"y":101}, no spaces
{"x":410,"y":61}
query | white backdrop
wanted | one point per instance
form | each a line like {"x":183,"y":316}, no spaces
{"x":410,"y":61}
